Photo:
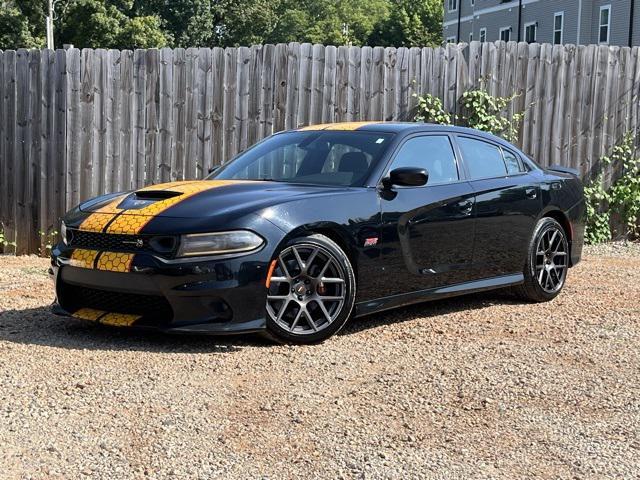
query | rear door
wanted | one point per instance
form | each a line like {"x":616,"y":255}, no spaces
{"x":507,"y":205}
{"x":428,"y":231}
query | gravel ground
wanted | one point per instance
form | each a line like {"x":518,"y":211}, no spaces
{"x":480,"y":386}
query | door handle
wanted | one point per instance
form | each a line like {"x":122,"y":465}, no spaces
{"x":465,"y":206}
{"x":531,"y":193}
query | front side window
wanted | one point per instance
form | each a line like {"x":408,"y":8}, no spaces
{"x":483,"y":159}
{"x":432,"y":152}
{"x":605,"y":24}
{"x":558,"y":27}
{"x":320,"y":157}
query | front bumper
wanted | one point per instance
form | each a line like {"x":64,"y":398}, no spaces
{"x":207,"y":295}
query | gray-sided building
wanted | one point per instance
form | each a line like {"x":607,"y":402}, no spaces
{"x":581,"y":22}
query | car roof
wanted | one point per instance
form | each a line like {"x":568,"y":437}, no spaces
{"x":401,"y":127}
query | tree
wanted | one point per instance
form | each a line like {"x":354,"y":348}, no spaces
{"x":412,"y":23}
{"x":186,"y":23}
{"x":142,"y":32}
{"x":102,"y":24}
{"x":327,"y":21}
{"x":18,"y":25}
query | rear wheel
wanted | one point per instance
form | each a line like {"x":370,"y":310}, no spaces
{"x":311,"y":291}
{"x":547,"y":262}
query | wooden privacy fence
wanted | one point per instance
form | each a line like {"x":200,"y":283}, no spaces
{"x":78,"y":123}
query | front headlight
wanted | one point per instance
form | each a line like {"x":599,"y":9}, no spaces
{"x":63,"y":232}
{"x":218,"y":243}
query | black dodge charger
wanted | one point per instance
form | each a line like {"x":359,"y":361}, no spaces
{"x":310,"y":227}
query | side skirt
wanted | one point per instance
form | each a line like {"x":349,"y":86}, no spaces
{"x":400,"y":300}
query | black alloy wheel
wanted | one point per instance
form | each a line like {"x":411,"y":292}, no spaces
{"x":547,"y":262}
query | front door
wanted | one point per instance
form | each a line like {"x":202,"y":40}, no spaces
{"x":428,"y":231}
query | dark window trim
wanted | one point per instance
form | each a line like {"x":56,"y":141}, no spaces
{"x":493,"y":144}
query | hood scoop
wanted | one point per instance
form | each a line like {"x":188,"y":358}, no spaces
{"x":156,"y":194}
{"x":144,"y":198}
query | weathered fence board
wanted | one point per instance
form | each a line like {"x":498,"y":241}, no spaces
{"x":75,"y":124}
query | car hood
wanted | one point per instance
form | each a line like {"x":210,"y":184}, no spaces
{"x":204,"y":198}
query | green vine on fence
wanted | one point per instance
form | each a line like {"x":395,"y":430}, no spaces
{"x":621,"y":199}
{"x":431,"y":110}
{"x":489,"y":114}
{"x":4,"y":242}
{"x":47,"y":241}
{"x":482,"y":111}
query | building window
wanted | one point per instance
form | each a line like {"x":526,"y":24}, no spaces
{"x":505,"y":34}
{"x":531,"y":32}
{"x":470,"y":37}
{"x":472,"y":2}
{"x":453,"y":5}
{"x":605,"y":24}
{"x":558,"y":27}
{"x":483,"y":35}
{"x":451,"y":39}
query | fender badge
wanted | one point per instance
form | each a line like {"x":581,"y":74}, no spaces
{"x":370,"y":242}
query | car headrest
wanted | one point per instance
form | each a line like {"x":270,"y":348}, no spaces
{"x":355,"y":162}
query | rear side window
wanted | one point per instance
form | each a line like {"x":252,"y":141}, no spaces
{"x":432,"y":152}
{"x":512,"y":162}
{"x":483,"y":159}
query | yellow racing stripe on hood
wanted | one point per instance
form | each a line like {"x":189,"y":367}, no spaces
{"x":133,"y":223}
{"x":102,"y":216}
{"x":349,"y":126}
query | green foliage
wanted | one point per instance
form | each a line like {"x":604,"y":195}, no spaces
{"x":207,"y":23}
{"x":16,"y":31}
{"x":597,"y":229}
{"x":621,"y":200}
{"x":326,"y":21}
{"x":142,"y":32}
{"x":100,"y":24}
{"x":482,"y":112}
{"x":411,"y":23}
{"x":489,"y":114}
{"x":431,"y":110}
{"x":4,"y":242}
{"x":47,"y":241}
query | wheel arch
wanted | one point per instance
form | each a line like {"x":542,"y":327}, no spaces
{"x":331,"y":230}
{"x":560,"y":217}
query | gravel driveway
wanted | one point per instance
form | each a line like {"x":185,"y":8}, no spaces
{"x":480,"y":386}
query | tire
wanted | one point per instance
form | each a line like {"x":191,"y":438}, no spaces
{"x":547,"y":263}
{"x":311,"y":292}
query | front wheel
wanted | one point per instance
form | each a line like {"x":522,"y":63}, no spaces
{"x":310,"y":292}
{"x":547,"y":262}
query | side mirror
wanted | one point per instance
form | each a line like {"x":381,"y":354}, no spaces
{"x":213,"y":169}
{"x":406,"y":177}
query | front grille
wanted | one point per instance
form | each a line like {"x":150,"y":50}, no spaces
{"x":74,"y":297}
{"x":164,"y":245}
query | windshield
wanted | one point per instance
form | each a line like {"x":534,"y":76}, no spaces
{"x":321,"y":157}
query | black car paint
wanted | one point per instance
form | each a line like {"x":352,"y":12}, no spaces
{"x":432,"y":241}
